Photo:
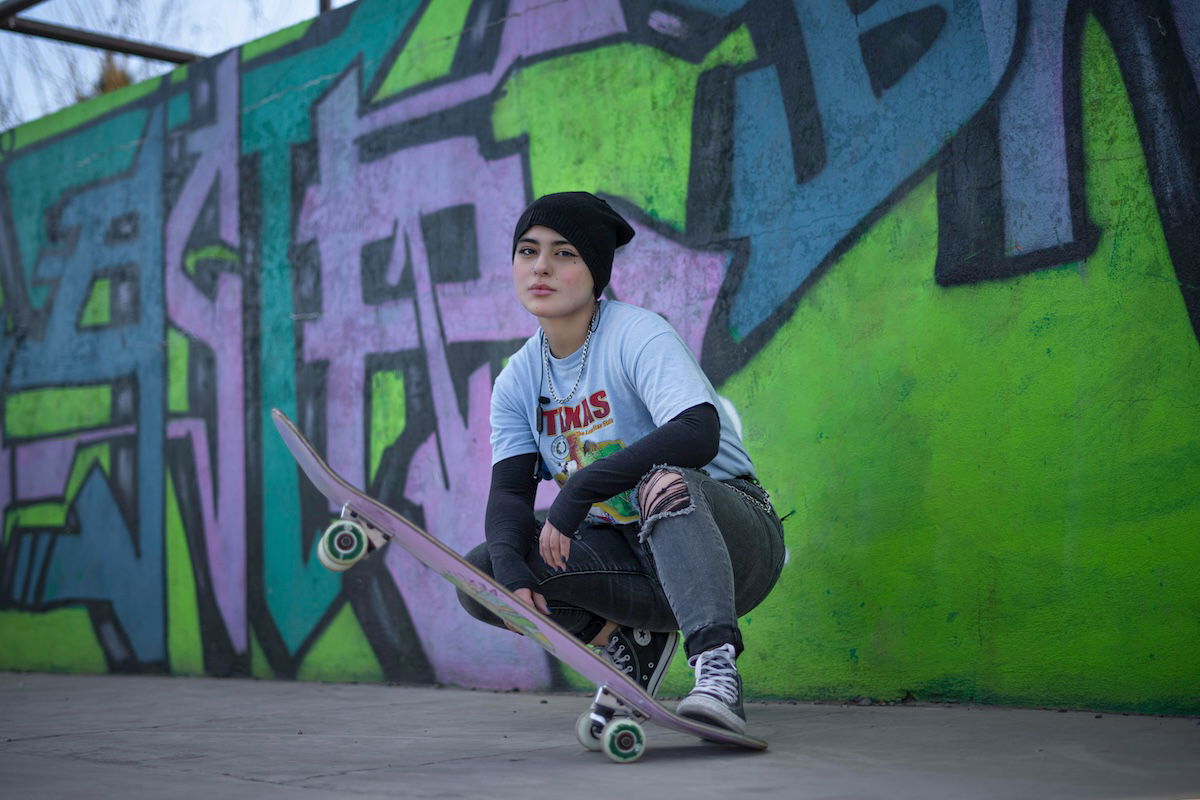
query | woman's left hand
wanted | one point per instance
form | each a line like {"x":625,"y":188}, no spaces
{"x":555,"y":546}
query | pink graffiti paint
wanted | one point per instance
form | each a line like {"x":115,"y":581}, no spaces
{"x":217,"y":323}
{"x":43,"y":466}
{"x":448,"y":478}
{"x":355,"y":204}
{"x":662,"y":275}
{"x":666,"y":24}
{"x":6,"y":459}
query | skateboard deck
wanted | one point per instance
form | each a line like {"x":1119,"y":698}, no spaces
{"x":362,"y":516}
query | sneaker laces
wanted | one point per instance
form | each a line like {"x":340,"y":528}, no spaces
{"x":716,"y":673}
{"x":618,"y":654}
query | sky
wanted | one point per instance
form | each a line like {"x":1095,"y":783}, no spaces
{"x":39,"y":76}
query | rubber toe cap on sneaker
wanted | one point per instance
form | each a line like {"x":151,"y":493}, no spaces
{"x":703,"y":708}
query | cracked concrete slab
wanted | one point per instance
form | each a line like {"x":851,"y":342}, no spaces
{"x":64,"y":736}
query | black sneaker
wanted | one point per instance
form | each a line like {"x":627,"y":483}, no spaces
{"x":642,"y":655}
{"x":717,"y":695}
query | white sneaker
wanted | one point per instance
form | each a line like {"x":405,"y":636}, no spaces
{"x":717,"y":696}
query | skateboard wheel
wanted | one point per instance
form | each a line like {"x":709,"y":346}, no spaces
{"x":623,"y":741}
{"x":588,"y":732}
{"x":342,"y":546}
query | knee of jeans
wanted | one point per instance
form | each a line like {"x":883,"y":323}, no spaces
{"x":662,"y":492}
{"x":480,"y":558}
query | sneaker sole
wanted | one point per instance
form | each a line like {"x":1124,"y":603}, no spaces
{"x":707,"y":709}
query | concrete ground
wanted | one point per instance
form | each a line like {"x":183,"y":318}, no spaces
{"x":65,"y":736}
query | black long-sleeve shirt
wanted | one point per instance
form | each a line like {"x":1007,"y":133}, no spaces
{"x":690,"y":439}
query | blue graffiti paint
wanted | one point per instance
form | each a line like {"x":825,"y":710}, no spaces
{"x":49,"y":170}
{"x":718,"y":7}
{"x":64,"y":354}
{"x":29,"y":550}
{"x":101,"y":563}
{"x":874,"y":143}
{"x":1037,"y":202}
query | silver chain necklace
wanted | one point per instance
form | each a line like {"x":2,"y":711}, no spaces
{"x":562,"y":401}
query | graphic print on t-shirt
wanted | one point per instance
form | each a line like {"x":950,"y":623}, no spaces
{"x":575,"y":435}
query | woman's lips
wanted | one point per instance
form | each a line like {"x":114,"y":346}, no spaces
{"x":540,"y":290}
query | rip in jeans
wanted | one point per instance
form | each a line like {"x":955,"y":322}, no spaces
{"x":662,"y":492}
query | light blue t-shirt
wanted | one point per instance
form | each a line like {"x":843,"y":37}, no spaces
{"x":639,"y":375}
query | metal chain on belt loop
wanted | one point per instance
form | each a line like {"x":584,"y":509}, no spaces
{"x":763,"y":502}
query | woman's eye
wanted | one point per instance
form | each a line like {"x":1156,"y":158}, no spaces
{"x":566,"y":254}
{"x":525,"y":251}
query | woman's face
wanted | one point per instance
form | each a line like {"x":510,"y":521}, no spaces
{"x":549,"y":276}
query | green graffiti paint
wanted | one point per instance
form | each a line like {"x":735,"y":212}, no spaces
{"x":97,"y":309}
{"x":61,"y":640}
{"x":212,"y":252}
{"x":576,"y":681}
{"x":272,"y":42}
{"x":46,"y":412}
{"x":80,"y":114}
{"x":429,"y":51}
{"x":260,"y":665}
{"x":642,"y":154}
{"x":1045,"y":504}
{"x":387,"y":414}
{"x":35,"y":516}
{"x":178,"y":352}
{"x":341,"y":653}
{"x":185,"y":648}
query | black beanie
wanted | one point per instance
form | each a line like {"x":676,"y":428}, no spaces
{"x":584,"y":220}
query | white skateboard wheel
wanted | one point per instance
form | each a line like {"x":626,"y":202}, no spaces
{"x":342,"y":546}
{"x":587,"y":732}
{"x":623,"y":741}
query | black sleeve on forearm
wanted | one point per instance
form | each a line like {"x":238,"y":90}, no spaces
{"x":690,"y":439}
{"x":509,"y":523}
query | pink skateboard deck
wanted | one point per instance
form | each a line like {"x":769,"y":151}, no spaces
{"x":616,"y":693}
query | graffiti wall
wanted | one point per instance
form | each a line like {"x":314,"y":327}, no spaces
{"x":942,"y":258}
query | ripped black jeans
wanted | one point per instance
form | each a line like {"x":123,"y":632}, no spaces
{"x":708,"y":552}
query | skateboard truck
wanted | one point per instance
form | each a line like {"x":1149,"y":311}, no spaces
{"x":598,"y":728}
{"x":348,"y":540}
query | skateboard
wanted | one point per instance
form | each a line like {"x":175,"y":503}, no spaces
{"x":614,"y":722}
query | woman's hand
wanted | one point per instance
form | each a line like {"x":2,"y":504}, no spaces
{"x":554,"y":546}
{"x":532,"y":598}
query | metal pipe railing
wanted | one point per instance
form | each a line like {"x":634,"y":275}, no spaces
{"x":10,"y":8}
{"x":103,"y":41}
